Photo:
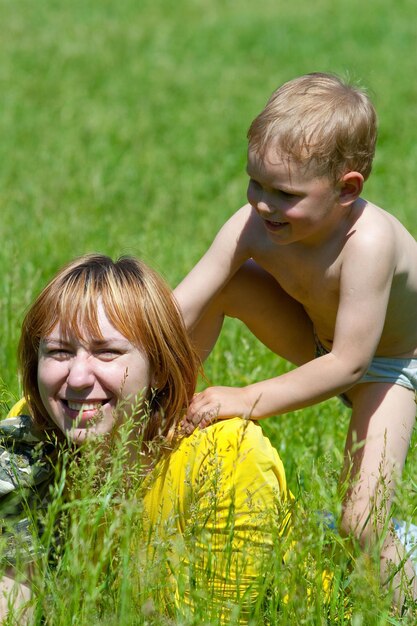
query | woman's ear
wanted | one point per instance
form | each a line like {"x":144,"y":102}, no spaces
{"x":350,"y":186}
{"x":155,"y":383}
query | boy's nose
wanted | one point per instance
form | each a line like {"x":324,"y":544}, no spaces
{"x":80,"y":372}
{"x":264,"y":206}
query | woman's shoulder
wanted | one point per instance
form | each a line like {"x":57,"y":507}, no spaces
{"x":236,"y":434}
{"x":228,"y":445}
{"x":232,"y":441}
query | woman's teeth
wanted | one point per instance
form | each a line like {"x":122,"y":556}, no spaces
{"x":85,"y":406}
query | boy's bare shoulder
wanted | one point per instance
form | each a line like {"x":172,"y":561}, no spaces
{"x":245,"y":217}
{"x":373,"y":228}
{"x":249,"y":228}
{"x":240,"y":236}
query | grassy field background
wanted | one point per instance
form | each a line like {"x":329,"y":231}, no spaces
{"x":123,"y":130}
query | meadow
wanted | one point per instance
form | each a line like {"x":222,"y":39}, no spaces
{"x":123,"y":131}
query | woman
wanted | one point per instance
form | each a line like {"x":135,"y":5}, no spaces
{"x":103,"y":345}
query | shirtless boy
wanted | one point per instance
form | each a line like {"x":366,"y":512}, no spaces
{"x":326,"y":280}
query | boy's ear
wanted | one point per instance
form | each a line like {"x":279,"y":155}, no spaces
{"x":350,"y":185}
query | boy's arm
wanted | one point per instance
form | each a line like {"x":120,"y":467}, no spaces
{"x":229,"y":250}
{"x":365,"y":284}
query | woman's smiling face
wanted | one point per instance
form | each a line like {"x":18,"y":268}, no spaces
{"x":82,"y":382}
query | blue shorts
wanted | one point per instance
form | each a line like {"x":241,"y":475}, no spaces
{"x":382,"y":369}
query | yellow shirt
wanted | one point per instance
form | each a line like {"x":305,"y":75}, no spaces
{"x":215,"y":507}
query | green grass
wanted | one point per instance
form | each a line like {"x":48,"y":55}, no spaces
{"x":122,"y":130}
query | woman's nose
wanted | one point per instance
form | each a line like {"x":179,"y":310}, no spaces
{"x":80,"y":372}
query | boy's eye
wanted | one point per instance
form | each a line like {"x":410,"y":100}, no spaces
{"x":286,"y":194}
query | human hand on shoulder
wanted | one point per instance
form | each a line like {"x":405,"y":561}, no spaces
{"x":216,"y":403}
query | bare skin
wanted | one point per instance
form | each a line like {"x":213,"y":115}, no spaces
{"x":15,"y":594}
{"x":307,"y":256}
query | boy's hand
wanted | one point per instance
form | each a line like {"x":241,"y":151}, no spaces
{"x":216,"y":403}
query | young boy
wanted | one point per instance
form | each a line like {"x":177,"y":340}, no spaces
{"x":326,"y":280}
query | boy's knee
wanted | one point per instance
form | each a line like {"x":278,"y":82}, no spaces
{"x":349,"y":523}
{"x":362,"y":524}
{"x":14,"y":598}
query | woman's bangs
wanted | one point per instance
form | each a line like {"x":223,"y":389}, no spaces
{"x":123,"y":307}
{"x":77,"y":315}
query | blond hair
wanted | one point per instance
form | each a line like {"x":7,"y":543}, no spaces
{"x":320,"y":122}
{"x":140,"y":306}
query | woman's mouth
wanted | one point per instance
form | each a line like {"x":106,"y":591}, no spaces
{"x":83,"y":411}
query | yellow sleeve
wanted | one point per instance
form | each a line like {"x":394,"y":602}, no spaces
{"x":223,"y":494}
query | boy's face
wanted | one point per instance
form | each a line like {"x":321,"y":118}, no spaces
{"x":293,"y":204}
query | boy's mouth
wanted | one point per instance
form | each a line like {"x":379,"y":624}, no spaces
{"x":273,"y":225}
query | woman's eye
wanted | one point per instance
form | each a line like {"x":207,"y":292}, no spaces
{"x":108,"y":354}
{"x":58,"y":353}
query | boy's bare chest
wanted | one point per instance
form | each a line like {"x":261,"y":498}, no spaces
{"x":312,"y":280}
